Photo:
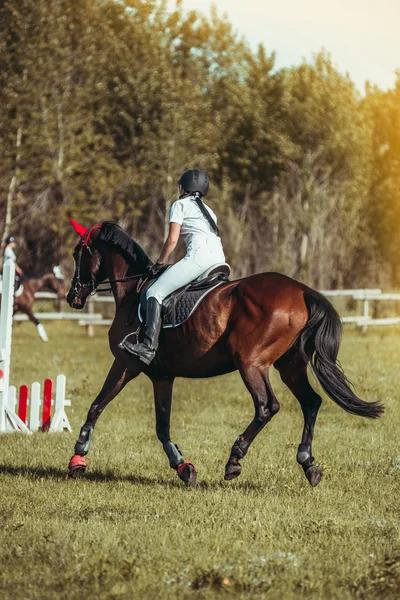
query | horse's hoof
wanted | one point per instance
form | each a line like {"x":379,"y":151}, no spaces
{"x":232,"y":470}
{"x":314,"y":475}
{"x":187,"y":472}
{"x":76,"y":467}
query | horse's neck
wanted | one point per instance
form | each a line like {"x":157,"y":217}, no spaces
{"x":37,"y":284}
{"x":118,"y":268}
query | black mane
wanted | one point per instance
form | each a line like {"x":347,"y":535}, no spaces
{"x":111,"y":233}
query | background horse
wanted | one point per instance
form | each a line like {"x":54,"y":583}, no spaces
{"x":250,"y":325}
{"x":53,"y":281}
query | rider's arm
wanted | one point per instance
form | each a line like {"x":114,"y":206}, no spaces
{"x":170,"y":242}
{"x":18,"y":269}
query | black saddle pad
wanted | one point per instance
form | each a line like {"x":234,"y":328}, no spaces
{"x":181,"y":304}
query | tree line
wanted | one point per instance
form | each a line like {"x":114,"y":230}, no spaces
{"x":105,"y":103}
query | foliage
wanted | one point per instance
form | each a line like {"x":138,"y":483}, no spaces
{"x":383,"y":110}
{"x":106,"y":102}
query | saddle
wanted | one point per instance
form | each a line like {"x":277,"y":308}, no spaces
{"x":181,"y":304}
{"x":19,"y":290}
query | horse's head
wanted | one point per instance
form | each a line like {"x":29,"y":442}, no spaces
{"x":89,"y":270}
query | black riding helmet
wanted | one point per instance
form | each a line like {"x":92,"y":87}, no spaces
{"x":10,"y":239}
{"x":195,"y":180}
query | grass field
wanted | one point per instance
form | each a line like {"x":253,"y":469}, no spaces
{"x":130,"y":529}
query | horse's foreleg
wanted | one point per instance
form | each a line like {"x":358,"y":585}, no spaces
{"x":163,"y":401}
{"x":293,"y":372}
{"x":116,"y":380}
{"x":40,"y":329}
{"x":266,"y":406}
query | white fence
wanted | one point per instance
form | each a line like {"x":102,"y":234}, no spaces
{"x":366,"y":296}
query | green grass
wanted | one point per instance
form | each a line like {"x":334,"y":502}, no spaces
{"x":130,"y":529}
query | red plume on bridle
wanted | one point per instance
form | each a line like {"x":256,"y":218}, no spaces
{"x":80,"y":229}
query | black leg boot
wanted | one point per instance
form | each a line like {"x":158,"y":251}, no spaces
{"x":146,"y":350}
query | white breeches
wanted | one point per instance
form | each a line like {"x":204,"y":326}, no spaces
{"x":196,"y":261}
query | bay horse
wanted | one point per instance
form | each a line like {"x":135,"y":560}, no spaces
{"x":248,"y":325}
{"x":23,"y":303}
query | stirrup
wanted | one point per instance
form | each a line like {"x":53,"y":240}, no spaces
{"x":143,"y":352}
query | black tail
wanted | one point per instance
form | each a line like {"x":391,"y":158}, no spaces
{"x":319,"y":341}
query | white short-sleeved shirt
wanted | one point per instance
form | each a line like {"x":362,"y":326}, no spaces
{"x":9,"y":253}
{"x":194,"y":225}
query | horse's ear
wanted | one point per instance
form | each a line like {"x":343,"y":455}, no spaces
{"x":80,"y":229}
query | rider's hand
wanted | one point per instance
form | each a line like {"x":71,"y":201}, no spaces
{"x":156,"y":268}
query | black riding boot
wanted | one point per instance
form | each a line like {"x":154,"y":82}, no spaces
{"x":146,"y":350}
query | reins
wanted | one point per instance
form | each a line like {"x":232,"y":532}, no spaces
{"x":148,"y":275}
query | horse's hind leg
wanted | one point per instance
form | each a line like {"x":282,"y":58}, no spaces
{"x":39,"y":327}
{"x":116,"y":380}
{"x":163,"y":400}
{"x":266,"y":406}
{"x":293,"y":371}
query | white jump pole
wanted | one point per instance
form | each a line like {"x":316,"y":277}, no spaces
{"x":34,"y":407}
{"x":8,"y":418}
{"x":60,"y":421}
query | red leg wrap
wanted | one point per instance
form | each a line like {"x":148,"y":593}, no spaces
{"x":181,"y":468}
{"x":77,"y":461}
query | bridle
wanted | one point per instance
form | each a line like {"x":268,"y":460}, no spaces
{"x":77,"y":285}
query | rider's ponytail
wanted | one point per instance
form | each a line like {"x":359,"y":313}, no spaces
{"x":200,"y":204}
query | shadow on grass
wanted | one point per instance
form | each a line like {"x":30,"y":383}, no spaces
{"x":52,"y":473}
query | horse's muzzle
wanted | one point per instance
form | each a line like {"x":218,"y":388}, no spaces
{"x":75,"y":300}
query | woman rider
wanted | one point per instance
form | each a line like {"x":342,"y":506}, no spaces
{"x":191,"y":218}
{"x":9,"y":246}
